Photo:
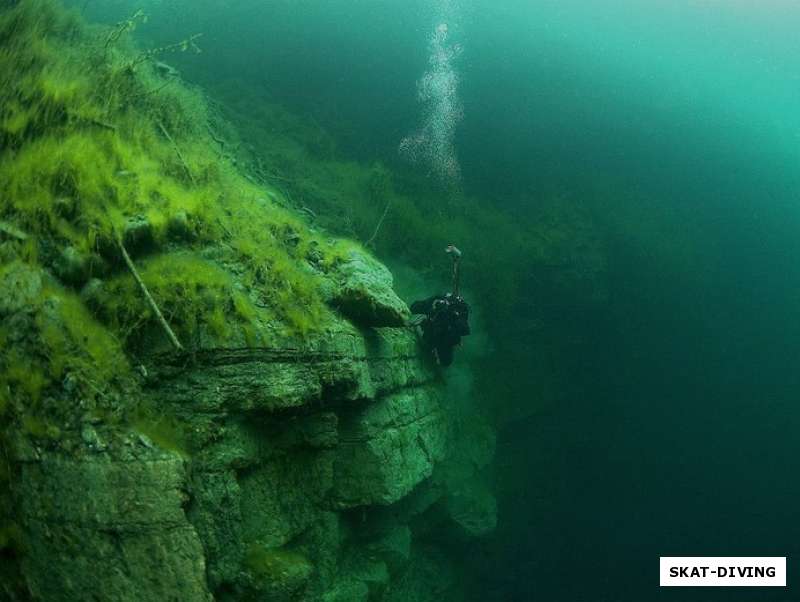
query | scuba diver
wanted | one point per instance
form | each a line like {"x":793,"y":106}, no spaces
{"x":444,"y":318}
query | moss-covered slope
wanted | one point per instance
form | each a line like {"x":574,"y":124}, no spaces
{"x":104,"y":154}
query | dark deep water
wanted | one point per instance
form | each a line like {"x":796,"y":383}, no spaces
{"x":680,"y":434}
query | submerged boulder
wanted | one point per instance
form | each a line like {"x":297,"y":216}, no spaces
{"x":364,"y":293}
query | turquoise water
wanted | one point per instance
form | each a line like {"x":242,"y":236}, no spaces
{"x":670,"y":421}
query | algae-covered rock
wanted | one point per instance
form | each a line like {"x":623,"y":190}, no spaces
{"x":282,"y":496}
{"x":364,"y":292}
{"x":342,"y":365}
{"x":371,"y":572}
{"x":221,"y":531}
{"x":180,"y":227}
{"x":72,"y":266}
{"x":110,"y":530}
{"x":388,"y":448}
{"x":137,"y":234}
{"x":347,"y":590}
{"x":20,"y":288}
{"x":431,"y":576}
{"x":394,"y":548}
{"x":279,"y":575}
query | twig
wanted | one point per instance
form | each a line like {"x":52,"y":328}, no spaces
{"x":286,"y":196}
{"x":9,"y":230}
{"x":153,"y":90}
{"x":262,"y":172}
{"x":380,"y":223}
{"x":171,"y":335}
{"x":216,"y":139}
{"x":177,"y":152}
{"x":183,"y":46}
{"x":11,"y":482}
{"x":102,"y":124}
{"x":128,"y":24}
{"x":92,"y":121}
{"x":277,"y":177}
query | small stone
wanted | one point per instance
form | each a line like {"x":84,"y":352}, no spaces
{"x":70,"y":383}
{"x":20,"y":289}
{"x":138,"y":235}
{"x":65,"y":207}
{"x":72,"y":266}
{"x":91,"y":438}
{"x":291,"y":238}
{"x":92,"y":293}
{"x":179,"y":227}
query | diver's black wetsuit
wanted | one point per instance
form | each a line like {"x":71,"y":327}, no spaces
{"x":447,"y":320}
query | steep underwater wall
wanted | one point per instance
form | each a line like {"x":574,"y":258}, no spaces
{"x":291,"y":443}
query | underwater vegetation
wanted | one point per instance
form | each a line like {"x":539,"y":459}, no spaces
{"x":125,"y":159}
{"x":129,"y":157}
{"x":104,"y":155}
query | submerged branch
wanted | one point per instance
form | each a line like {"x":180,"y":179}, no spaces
{"x":170,"y":334}
{"x":177,"y":152}
{"x":380,"y":223}
{"x":216,"y":138}
{"x":153,"y":90}
{"x":182,"y":46}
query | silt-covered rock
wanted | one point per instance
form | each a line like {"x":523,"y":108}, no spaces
{"x":364,"y":293}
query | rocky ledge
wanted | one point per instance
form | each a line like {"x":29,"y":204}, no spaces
{"x":309,"y":472}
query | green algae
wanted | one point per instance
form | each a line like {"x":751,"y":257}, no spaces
{"x":164,"y":430}
{"x":98,"y":150}
{"x":90,"y":153}
{"x":281,"y":574}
